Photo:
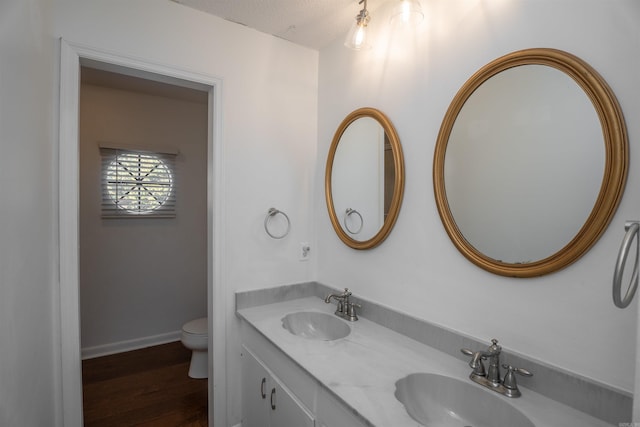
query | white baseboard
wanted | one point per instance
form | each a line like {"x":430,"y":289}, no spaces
{"x":135,"y":344}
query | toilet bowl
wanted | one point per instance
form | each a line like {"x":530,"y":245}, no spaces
{"x":194,"y":337}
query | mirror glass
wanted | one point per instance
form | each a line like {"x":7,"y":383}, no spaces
{"x":530,"y":163}
{"x":364,"y":178}
{"x":532,"y":157}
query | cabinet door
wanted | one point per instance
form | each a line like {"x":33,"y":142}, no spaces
{"x":255,"y":392}
{"x":286,"y":411}
{"x":331,"y":413}
{"x":266,"y":402}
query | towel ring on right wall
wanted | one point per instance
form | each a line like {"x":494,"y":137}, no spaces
{"x":632,"y":228}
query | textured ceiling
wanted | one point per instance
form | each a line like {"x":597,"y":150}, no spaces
{"x":311,"y":23}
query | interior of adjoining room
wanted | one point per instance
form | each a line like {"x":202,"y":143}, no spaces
{"x":143,"y":267}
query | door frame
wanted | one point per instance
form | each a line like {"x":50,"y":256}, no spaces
{"x":72,"y":56}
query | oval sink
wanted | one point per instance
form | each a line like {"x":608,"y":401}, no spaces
{"x":437,"y":400}
{"x":315,"y":325}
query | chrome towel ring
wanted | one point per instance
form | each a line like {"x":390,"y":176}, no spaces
{"x":270,"y":214}
{"x":347,"y":214}
{"x":632,"y":228}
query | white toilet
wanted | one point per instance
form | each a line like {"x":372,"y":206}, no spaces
{"x":194,"y":337}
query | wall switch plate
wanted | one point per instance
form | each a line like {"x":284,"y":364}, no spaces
{"x":304,"y":251}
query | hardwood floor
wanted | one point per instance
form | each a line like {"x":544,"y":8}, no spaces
{"x":147,"y":387}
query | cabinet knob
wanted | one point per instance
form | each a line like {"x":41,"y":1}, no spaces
{"x":273,"y":398}
{"x":262,"y":384}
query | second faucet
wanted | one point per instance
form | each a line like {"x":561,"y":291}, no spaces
{"x":492,"y":379}
{"x":345,"y":308}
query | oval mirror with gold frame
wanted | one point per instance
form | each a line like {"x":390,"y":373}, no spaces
{"x":364,"y":178}
{"x":530,"y":163}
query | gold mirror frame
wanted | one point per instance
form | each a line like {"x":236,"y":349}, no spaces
{"x":615,"y":170}
{"x":398,"y":186}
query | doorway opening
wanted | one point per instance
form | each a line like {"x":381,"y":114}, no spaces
{"x":73,"y":57}
{"x":143,"y":244}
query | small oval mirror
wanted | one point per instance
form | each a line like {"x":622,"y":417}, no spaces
{"x":364,"y":179}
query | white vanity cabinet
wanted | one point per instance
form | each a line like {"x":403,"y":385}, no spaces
{"x":331,"y":413}
{"x":351,"y":382}
{"x":266,"y":401}
{"x":300,"y":399}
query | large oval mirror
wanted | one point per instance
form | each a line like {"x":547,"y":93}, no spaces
{"x":530,"y":163}
{"x":364,"y":179}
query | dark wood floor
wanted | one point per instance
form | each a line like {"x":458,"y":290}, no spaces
{"x":147,"y":387}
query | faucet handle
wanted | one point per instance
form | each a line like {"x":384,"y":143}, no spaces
{"x":466,"y":351}
{"x":510,"y":379}
{"x":350,"y":311}
{"x":520,"y":371}
{"x":476,"y":362}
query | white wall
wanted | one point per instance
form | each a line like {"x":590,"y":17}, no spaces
{"x":141,"y":279}
{"x":567,"y":318}
{"x":28,"y":361}
{"x":269,"y":132}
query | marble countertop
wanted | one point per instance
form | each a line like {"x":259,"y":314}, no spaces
{"x":362,"y":368}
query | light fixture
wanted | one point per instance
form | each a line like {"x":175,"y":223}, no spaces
{"x":357,"y":35}
{"x":407,"y":12}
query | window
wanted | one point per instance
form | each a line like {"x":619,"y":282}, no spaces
{"x":137,"y":184}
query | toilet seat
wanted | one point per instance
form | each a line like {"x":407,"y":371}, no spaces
{"x":196,"y":327}
{"x":194,"y":334}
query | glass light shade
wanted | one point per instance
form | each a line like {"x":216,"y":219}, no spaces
{"x":407,"y":12}
{"x":357,"y":37}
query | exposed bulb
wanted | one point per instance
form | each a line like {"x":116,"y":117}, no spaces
{"x":407,"y":12}
{"x":360,"y":37}
{"x":357,"y":37}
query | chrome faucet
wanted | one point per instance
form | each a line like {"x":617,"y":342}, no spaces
{"x":345,"y":308}
{"x":492,"y":379}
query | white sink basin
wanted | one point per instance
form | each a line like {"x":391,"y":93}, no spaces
{"x":315,"y":325}
{"x":437,"y":400}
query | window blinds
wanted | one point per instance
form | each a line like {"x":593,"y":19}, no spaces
{"x":138,"y":184}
